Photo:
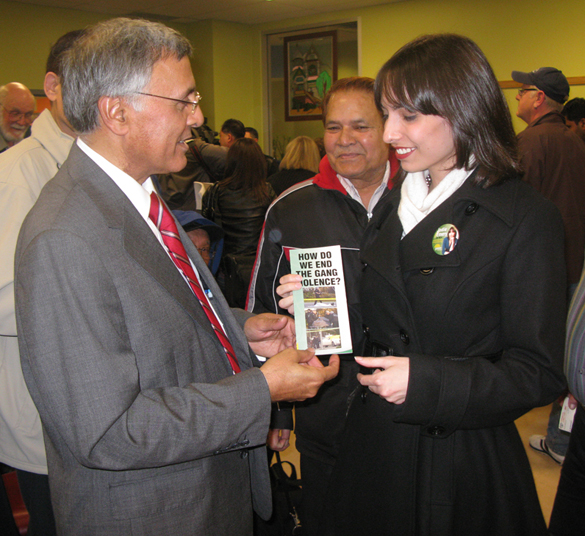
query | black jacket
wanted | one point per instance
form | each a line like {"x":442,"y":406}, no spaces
{"x":484,"y":330}
{"x":285,"y":178}
{"x":239,"y":214}
{"x":317,"y":213}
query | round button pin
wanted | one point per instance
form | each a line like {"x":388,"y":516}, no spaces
{"x":445,"y":239}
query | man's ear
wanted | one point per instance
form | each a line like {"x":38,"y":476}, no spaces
{"x":539,"y":99}
{"x":114,"y":114}
{"x":581,"y":124}
{"x":51,"y":86}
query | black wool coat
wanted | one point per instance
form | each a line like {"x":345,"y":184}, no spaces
{"x":484,"y":330}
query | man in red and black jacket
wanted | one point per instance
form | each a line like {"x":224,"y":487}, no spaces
{"x":334,"y":208}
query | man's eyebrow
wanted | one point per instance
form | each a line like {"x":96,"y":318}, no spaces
{"x":192,"y":90}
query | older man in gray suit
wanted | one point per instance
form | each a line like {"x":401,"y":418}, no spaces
{"x":153,"y":411}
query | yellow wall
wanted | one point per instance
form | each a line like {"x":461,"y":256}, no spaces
{"x":236,"y":73}
{"x":515,"y":35}
{"x":27,"y":34}
{"x":518,"y":34}
{"x":201,"y":37}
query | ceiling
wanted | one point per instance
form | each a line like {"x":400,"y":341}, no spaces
{"x":185,"y":11}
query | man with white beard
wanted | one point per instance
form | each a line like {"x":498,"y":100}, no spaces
{"x":18,"y":105}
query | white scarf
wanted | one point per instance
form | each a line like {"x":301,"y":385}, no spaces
{"x":416,"y":201}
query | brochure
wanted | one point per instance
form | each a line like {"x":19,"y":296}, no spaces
{"x":321,"y":314}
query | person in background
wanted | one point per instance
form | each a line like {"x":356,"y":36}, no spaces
{"x":348,"y":195}
{"x":18,"y":106}
{"x":238,"y":205}
{"x":430,"y":445}
{"x":553,"y":160}
{"x":206,"y":236}
{"x":205,"y":163}
{"x":271,"y":162}
{"x":568,"y":515}
{"x":251,"y":133}
{"x":24,"y":171}
{"x":574,"y":114}
{"x":300,"y":162}
{"x":231,"y":130}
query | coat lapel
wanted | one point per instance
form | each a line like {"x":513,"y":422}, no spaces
{"x":416,"y":248}
{"x":416,"y":251}
{"x":137,"y":238}
{"x":382,"y":252}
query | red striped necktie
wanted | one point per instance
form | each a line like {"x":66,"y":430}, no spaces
{"x":161,"y":216}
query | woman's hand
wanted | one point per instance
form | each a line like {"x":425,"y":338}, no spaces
{"x":389,"y":380}
{"x":288,"y":283}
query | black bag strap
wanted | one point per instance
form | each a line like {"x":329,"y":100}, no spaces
{"x":282,"y":475}
{"x":288,"y":482}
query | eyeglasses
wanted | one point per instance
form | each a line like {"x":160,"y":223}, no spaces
{"x":522,"y":91}
{"x":17,"y":115}
{"x":192,"y":103}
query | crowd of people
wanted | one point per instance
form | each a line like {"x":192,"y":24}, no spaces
{"x":148,"y":353}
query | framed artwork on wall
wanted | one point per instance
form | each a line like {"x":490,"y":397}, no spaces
{"x":310,"y":62}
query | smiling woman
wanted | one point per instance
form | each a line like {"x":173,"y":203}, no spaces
{"x":464,"y":284}
{"x":422,"y":142}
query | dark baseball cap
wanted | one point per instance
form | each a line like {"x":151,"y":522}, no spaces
{"x":548,"y":79}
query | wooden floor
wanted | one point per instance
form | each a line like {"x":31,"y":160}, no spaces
{"x":546,"y":471}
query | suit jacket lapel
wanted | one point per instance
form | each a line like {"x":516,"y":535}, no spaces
{"x":234,"y":333}
{"x":139,"y":241}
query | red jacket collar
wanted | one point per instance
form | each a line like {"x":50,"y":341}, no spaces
{"x":327,"y":177}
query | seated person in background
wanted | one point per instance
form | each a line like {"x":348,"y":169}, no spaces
{"x":300,"y":162}
{"x":238,"y":205}
{"x":272,"y":162}
{"x":205,"y":163}
{"x":206,"y":236}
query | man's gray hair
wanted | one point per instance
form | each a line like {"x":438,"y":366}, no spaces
{"x":3,"y":93}
{"x":114,"y":58}
{"x":553,"y":104}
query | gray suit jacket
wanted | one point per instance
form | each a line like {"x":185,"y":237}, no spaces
{"x":147,"y":429}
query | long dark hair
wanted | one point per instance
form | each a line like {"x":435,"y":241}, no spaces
{"x":448,"y":75}
{"x":245,"y":169}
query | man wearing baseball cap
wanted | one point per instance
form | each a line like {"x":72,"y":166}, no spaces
{"x":553,"y":159}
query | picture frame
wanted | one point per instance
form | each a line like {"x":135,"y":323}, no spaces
{"x":310,"y":62}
